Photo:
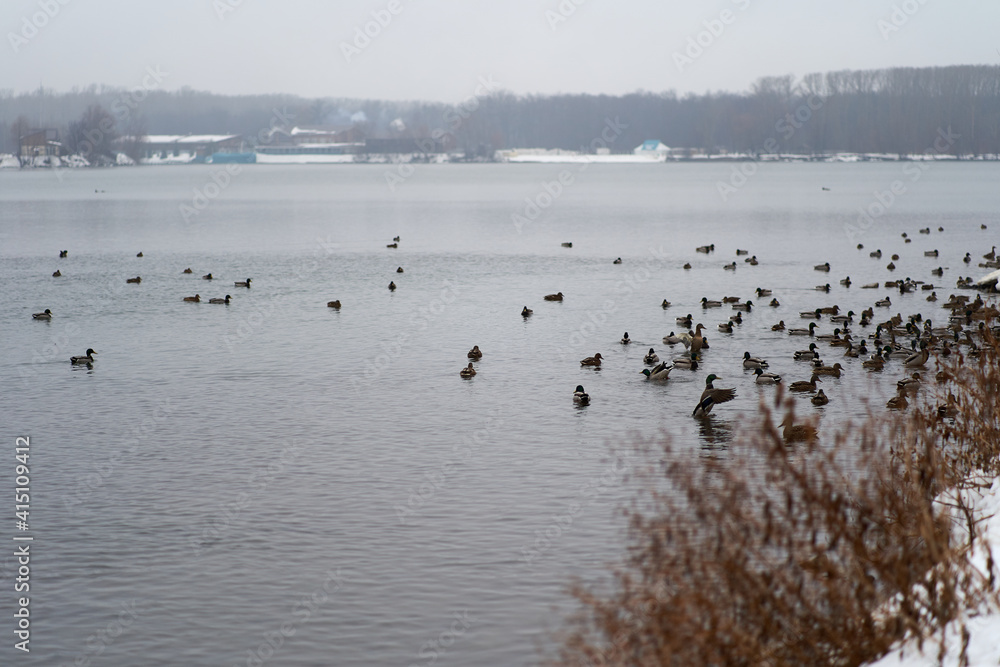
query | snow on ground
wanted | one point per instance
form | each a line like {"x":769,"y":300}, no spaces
{"x":984,"y":628}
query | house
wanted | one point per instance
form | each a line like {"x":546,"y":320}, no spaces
{"x":184,"y":148}
{"x":653,"y":149}
{"x":40,"y":143}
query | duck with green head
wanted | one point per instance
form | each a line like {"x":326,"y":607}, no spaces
{"x":712,"y":396}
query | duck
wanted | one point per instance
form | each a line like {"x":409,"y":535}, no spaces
{"x":665,"y":304}
{"x":194,"y":299}
{"x":849,"y":317}
{"x":774,"y":303}
{"x":659,"y":373}
{"x":967,"y":259}
{"x":592,"y":361}
{"x":729,"y":267}
{"x":877,"y":254}
{"x":829,"y":370}
{"x":752,"y":261}
{"x":617,"y":261}
{"x":333,"y":304}
{"x":697,"y":341}
{"x":671,"y":339}
{"x":856,"y":352}
{"x":726,"y":327}
{"x":930,"y":253}
{"x":474,"y":353}
{"x":687,"y":265}
{"x":689,"y":362}
{"x":992,"y":254}
{"x":803,"y":332}
{"x":625,"y":339}
{"x":651,"y":358}
{"x":554,"y":297}
{"x":870,"y":286}
{"x":711,"y":397}
{"x":207,"y":276}
{"x":830,"y":310}
{"x":745,"y":307}
{"x":138,"y":254}
{"x":846,"y":282}
{"x":825,"y":266}
{"x":57,"y":274}
{"x":883,"y":303}
{"x":134,"y":281}
{"x":918,"y":359}
{"x":187,"y":270}
{"x":805,"y":385}
{"x":87,"y":358}
{"x":392,"y":286}
{"x":939,"y":271}
{"x":823,"y":288}
{"x":763,"y":292}
{"x":225,"y":301}
{"x":819,"y":399}
{"x":44,"y":315}
{"x":811,"y":314}
{"x":685,"y":321}
{"x":243,"y":283}
{"x":792,"y":432}
{"x":925,"y":230}
{"x":706,"y":248}
{"x":910,"y":384}
{"x":737,"y":318}
{"x":63,"y":253}
{"x":399,"y":269}
{"x":875,"y":363}
{"x":806,"y":355}
{"x":468,"y":371}
{"x":753,"y":362}
{"x":394,"y":244}
{"x":742,"y":252}
{"x":766,"y":378}
{"x":780,"y":326}
{"x":705,"y":303}
{"x":568,"y":244}
{"x":526,"y":312}
{"x":395,"y":239}
{"x":891,"y":266}
{"x":949,"y":409}
{"x":897,"y":402}
{"x":580,"y":396}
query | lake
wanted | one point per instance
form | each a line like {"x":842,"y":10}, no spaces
{"x":277,"y":482}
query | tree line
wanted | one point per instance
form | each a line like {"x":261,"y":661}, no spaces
{"x":894,"y":111}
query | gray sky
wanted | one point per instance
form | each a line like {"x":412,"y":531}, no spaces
{"x":439,"y":49}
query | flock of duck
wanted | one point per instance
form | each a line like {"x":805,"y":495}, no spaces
{"x":909,"y":341}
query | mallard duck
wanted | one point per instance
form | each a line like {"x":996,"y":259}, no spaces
{"x":243,"y":283}
{"x":806,"y":355}
{"x":474,"y":353}
{"x":138,"y":254}
{"x":774,"y":303}
{"x":45,"y":315}
{"x":665,"y":304}
{"x":651,"y":358}
{"x":554,"y":297}
{"x":803,"y":332}
{"x":992,"y":254}
{"x":870,"y":286}
{"x":392,"y":286}
{"x":753,"y":362}
{"x":706,"y":248}
{"x":933,"y":297}
{"x":846,"y":282}
{"x":846,"y":341}
{"x":763,"y":292}
{"x":697,"y":341}
{"x":939,"y":271}
{"x":949,"y":409}
{"x":133,"y":281}
{"x":223,"y":301}
{"x":207,"y":276}
{"x":731,"y":299}
{"x":57,"y":274}
{"x":194,"y":299}
{"x":930,"y":253}
{"x":745,"y":307}
{"x":910,"y":384}
{"x":825,"y":266}
{"x":392,"y":245}
{"x":705,"y":303}
{"x":875,"y":363}
{"x":819,"y":399}
{"x":86,"y":359}
{"x":883,"y":303}
{"x":856,"y":352}
{"x":830,"y":310}
{"x":567,"y":244}
{"x":730,"y":267}
{"x":897,"y":402}
{"x":737,"y":318}
{"x":333,"y":304}
{"x":592,"y":361}
{"x":849,"y":317}
{"x":797,"y":432}
{"x":187,"y":270}
{"x":659,"y":373}
{"x":671,"y":339}
{"x":829,"y":370}
{"x":711,"y":397}
{"x":780,"y":326}
{"x":829,"y":337}
{"x":811,"y":314}
{"x":742,"y":252}
{"x":685,"y":321}
{"x":805,"y":385}
{"x":765,"y":378}
{"x":919,"y":359}
{"x":63,"y":253}
{"x":823,"y":288}
{"x":687,"y":362}
{"x":617,"y":261}
{"x":468,"y":371}
{"x":580,"y":396}
{"x":687,"y":265}
{"x":395,"y":239}
{"x":526,"y":312}
{"x":625,"y":339}
{"x":399,"y":269}
{"x":752,"y":261}
{"x":891,"y":266}
{"x":726,"y":327}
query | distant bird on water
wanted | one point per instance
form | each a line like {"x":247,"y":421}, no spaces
{"x":47,"y":315}
{"x":86,"y":359}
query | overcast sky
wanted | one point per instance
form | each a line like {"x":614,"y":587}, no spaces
{"x":439,"y":49}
